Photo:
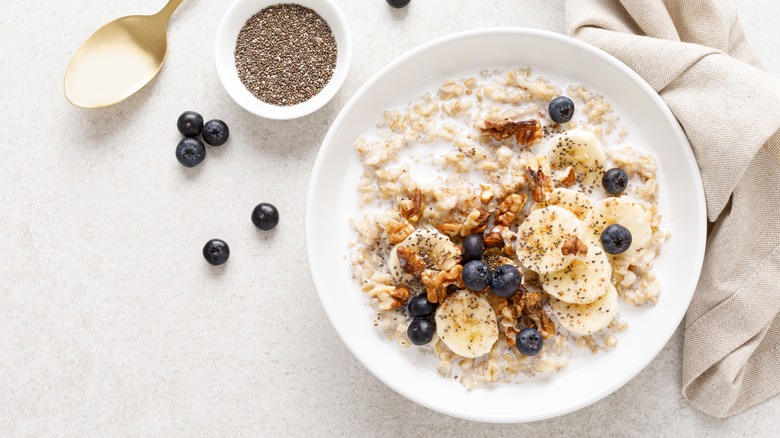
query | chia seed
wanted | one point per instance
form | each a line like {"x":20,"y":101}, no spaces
{"x":285,"y":54}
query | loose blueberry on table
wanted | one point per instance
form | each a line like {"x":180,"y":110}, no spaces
{"x":506,"y":281}
{"x":473,"y":247}
{"x":420,"y":331}
{"x":529,"y":341}
{"x":561,"y":109}
{"x":215,"y":132}
{"x":398,"y":3}
{"x":616,"y":239}
{"x":265,"y":216}
{"x":216,"y":252}
{"x":190,"y":152}
{"x":190,"y":124}
{"x":419,"y":306}
{"x":476,"y":275}
{"x":614,"y":181}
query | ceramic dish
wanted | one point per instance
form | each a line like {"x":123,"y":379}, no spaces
{"x":227,"y":34}
{"x":333,"y":199}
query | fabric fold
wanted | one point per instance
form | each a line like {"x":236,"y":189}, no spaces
{"x":695,"y":55}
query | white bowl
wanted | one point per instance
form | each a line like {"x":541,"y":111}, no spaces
{"x":234,"y":20}
{"x":333,"y":199}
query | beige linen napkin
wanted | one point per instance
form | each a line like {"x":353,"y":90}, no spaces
{"x":694,"y":54}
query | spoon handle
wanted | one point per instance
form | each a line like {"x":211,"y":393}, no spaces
{"x":169,"y":9}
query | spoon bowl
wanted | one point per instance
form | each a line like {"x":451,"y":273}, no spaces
{"x":119,"y":59}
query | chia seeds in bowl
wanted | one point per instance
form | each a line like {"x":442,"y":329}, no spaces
{"x":285,"y":54}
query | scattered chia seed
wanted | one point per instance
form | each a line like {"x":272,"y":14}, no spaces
{"x":285,"y":54}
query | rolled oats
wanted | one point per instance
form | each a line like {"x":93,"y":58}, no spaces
{"x":491,"y":175}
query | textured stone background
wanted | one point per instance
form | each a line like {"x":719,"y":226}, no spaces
{"x":111,"y":322}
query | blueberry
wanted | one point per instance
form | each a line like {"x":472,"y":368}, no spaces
{"x":529,"y":341}
{"x":420,"y":331}
{"x":473,"y":247}
{"x":561,"y":109}
{"x":616,"y":239}
{"x":265,"y":216}
{"x":419,"y":306}
{"x":216,"y":252}
{"x":398,"y":3}
{"x":476,"y":275}
{"x":190,"y":152}
{"x":190,"y":123}
{"x":614,"y":181}
{"x":215,"y":132}
{"x":506,"y":280}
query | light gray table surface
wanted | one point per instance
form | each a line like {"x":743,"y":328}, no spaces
{"x":111,"y":323}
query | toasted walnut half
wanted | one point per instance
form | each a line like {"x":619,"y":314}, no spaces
{"x":509,"y":207}
{"x":476,"y":222}
{"x":538,"y":174}
{"x":412,"y":207}
{"x":398,"y":231}
{"x":573,"y":245}
{"x":531,"y":306}
{"x":526,"y":132}
{"x":411,"y":263}
{"x":436,"y":282}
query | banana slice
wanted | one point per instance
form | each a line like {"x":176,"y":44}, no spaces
{"x":576,"y":202}
{"x":584,"y":281}
{"x":541,"y":236}
{"x":585,"y":319}
{"x":466,"y":323}
{"x":435,"y":248}
{"x":582,"y":150}
{"x":621,"y":211}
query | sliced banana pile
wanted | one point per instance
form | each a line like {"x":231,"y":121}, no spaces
{"x":466,"y":323}
{"x":583,"y":297}
{"x":434,"y":248}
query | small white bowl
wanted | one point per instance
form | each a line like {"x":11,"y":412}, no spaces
{"x":234,"y":20}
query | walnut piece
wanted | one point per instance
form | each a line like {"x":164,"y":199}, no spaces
{"x":388,"y":296}
{"x":526,"y":132}
{"x":436,"y":282}
{"x":449,"y":229}
{"x":411,"y":263}
{"x":531,"y":305}
{"x":398,"y":231}
{"x":401,"y":294}
{"x":566,"y":177}
{"x":573,"y":245}
{"x":493,"y":239}
{"x":538,"y":174}
{"x":509,"y":207}
{"x":476,"y":222}
{"x":412,"y":208}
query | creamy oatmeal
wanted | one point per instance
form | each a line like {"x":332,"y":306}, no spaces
{"x":500,"y":237}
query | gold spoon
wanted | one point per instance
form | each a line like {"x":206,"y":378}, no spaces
{"x":118,"y":59}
